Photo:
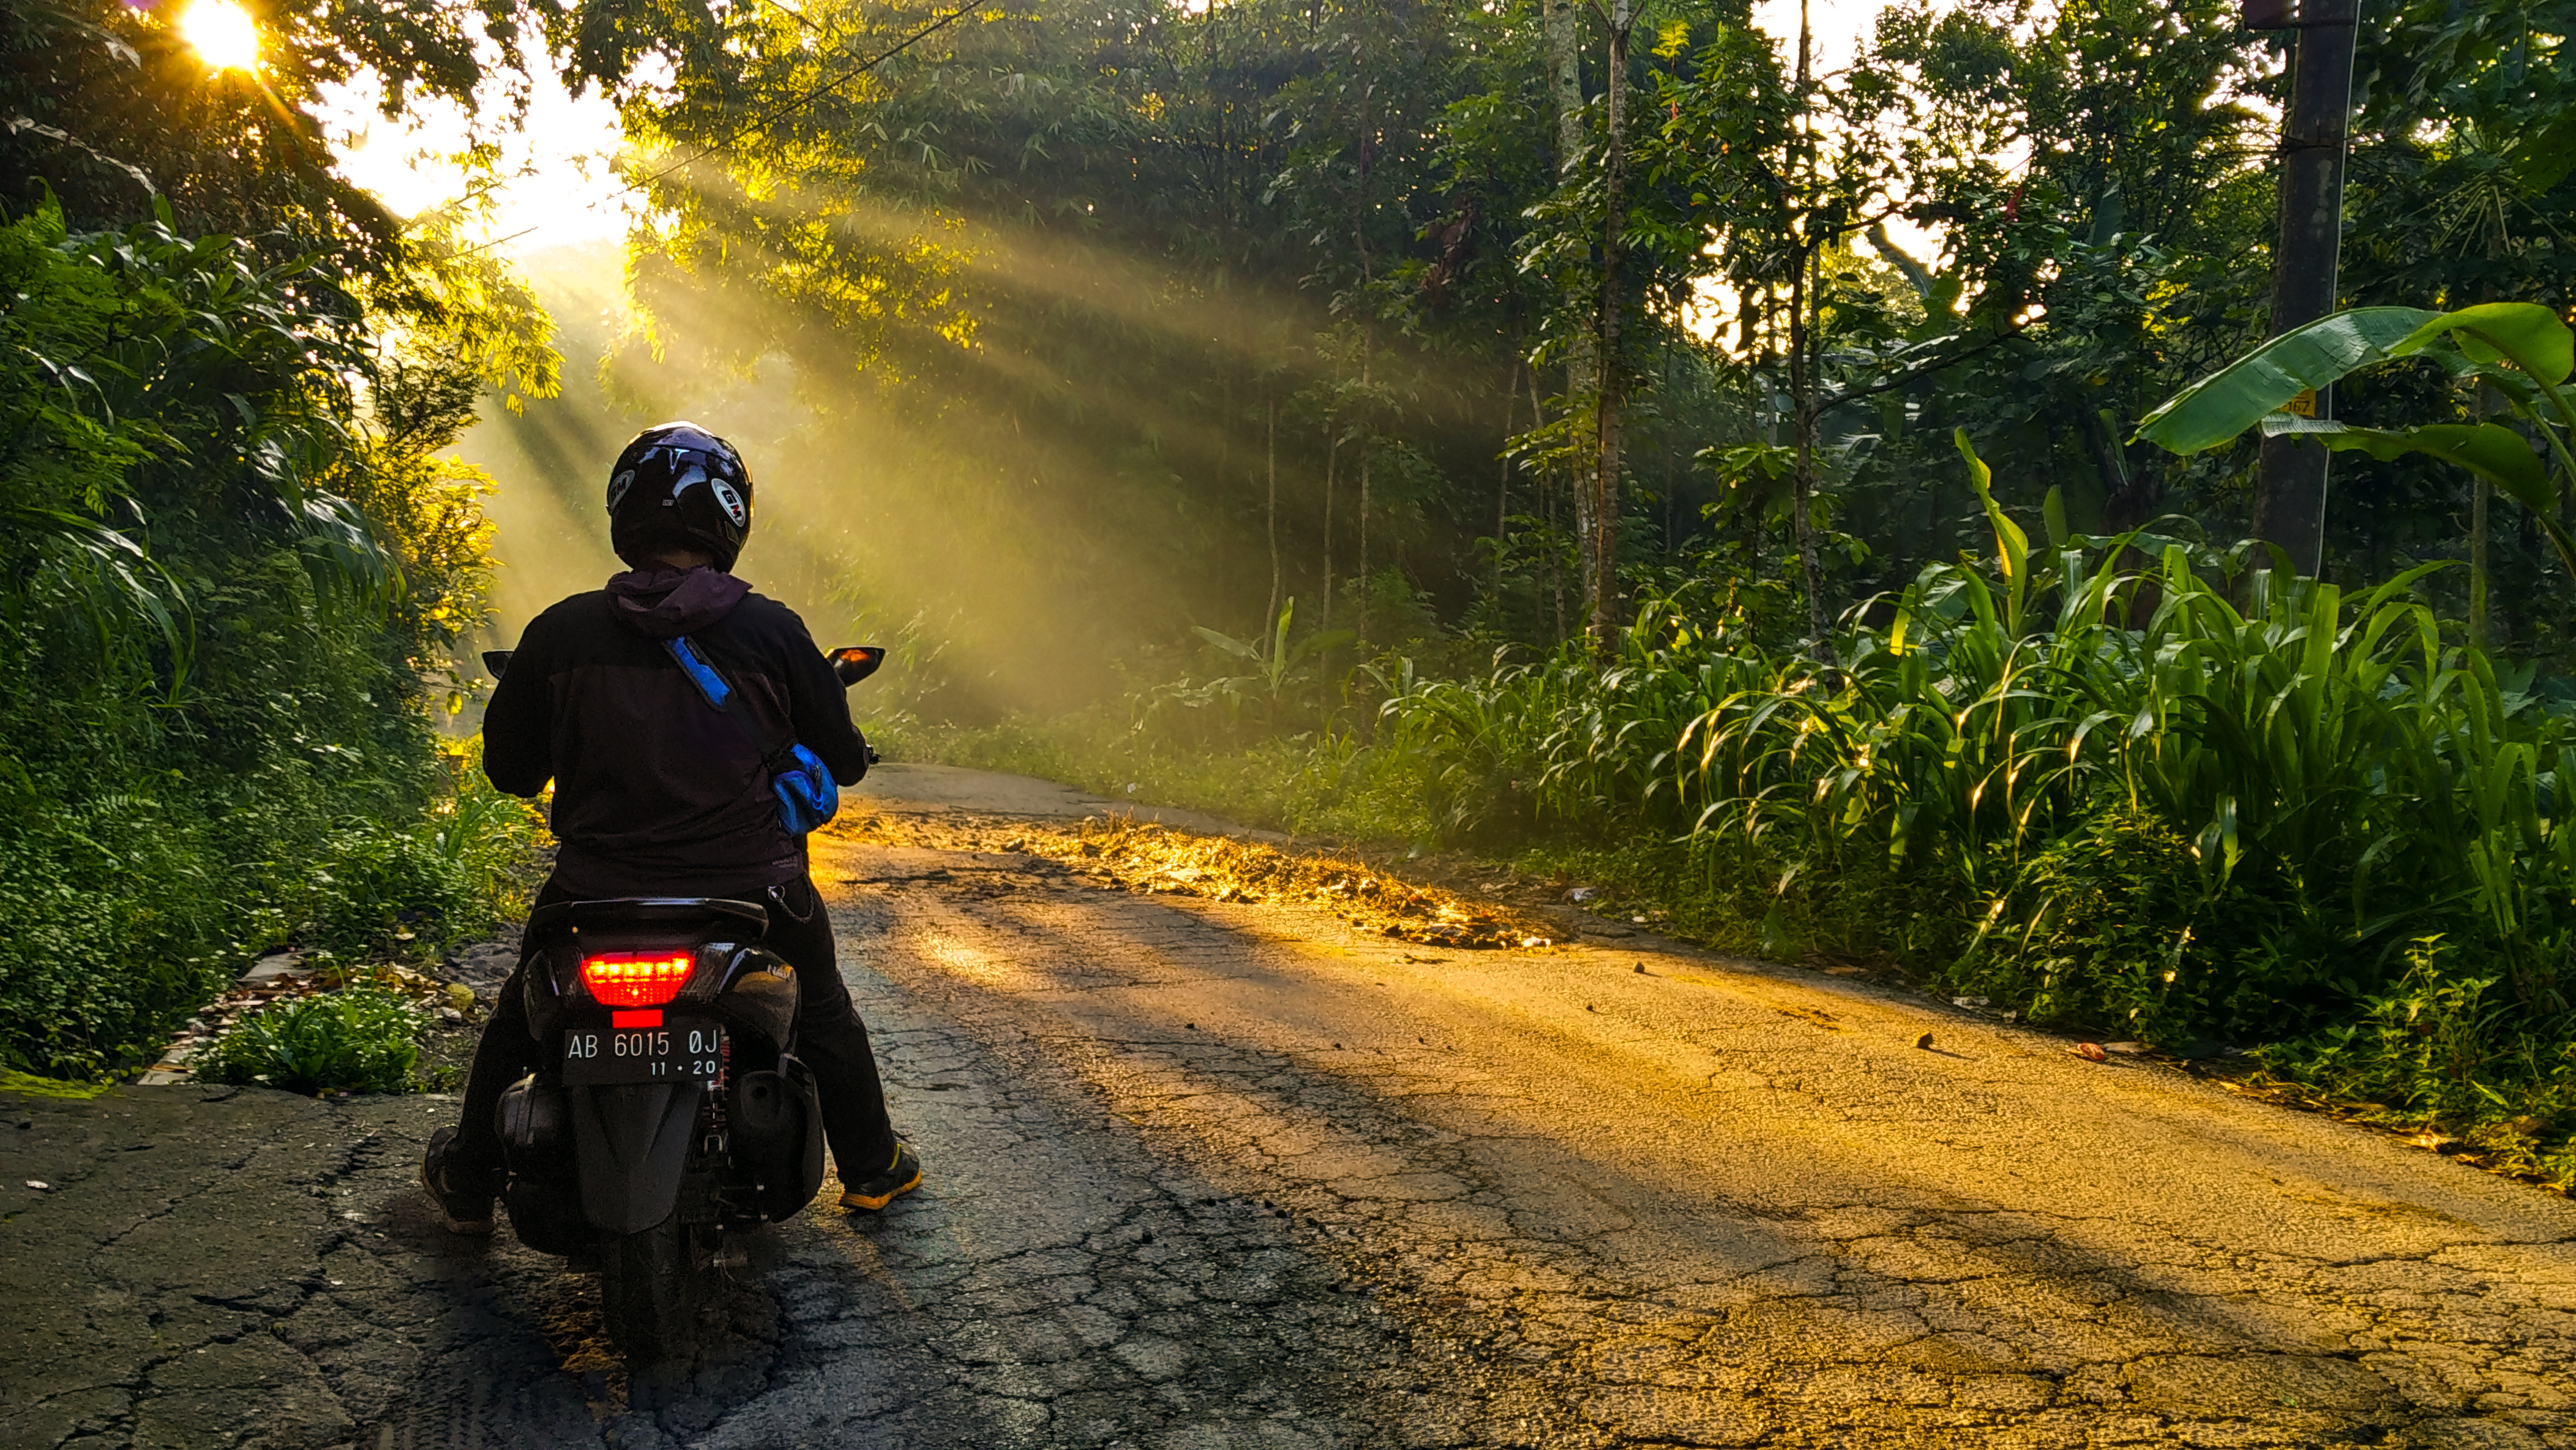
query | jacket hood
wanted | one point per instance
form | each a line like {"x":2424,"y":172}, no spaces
{"x":664,"y":603}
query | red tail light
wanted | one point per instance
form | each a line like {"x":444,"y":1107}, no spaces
{"x":636,"y":979}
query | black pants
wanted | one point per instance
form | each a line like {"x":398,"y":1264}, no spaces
{"x":829,"y":1037}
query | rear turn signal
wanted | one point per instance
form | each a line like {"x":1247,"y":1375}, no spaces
{"x":635,"y":979}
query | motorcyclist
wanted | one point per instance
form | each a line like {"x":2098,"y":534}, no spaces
{"x":657,"y":795}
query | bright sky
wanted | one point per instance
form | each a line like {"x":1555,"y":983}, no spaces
{"x":559,"y":189}
{"x":1836,"y":29}
{"x":1837,"y":26}
{"x":561,"y":192}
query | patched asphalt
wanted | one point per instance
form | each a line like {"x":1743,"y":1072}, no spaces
{"x":1210,"y":1175}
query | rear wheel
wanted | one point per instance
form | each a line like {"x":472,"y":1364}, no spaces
{"x":649,"y":1289}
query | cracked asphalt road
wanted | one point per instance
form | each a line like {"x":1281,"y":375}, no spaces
{"x":1208,"y":1175}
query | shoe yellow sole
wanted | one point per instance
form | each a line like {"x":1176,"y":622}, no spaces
{"x":871,"y":1202}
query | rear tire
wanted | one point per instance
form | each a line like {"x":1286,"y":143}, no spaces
{"x":649,"y":1287}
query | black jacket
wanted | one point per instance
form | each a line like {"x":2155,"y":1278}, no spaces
{"x":655,"y":792}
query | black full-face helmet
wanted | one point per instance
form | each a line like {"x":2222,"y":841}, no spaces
{"x":678,"y":486}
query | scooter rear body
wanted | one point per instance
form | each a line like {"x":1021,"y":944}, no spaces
{"x":673,"y":1108}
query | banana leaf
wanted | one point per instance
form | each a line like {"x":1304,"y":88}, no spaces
{"x":2490,"y":450}
{"x":2243,"y":393}
{"x":2525,"y":334}
{"x":2012,"y":546}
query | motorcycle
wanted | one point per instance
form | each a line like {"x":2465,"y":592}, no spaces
{"x":675,"y":1111}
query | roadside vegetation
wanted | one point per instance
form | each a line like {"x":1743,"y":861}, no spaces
{"x":357,"y":1039}
{"x":235,"y":559}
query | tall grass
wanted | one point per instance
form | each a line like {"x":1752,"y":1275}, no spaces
{"x":2291,"y":787}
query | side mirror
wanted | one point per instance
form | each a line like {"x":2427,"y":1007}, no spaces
{"x":497,"y":660}
{"x":855,"y":662}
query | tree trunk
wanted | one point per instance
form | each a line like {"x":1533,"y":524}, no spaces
{"x":1362,"y":574}
{"x":1672,"y":484}
{"x":1802,"y":408}
{"x":1359,"y":191}
{"x":1802,"y":402}
{"x":1612,"y":379}
{"x":2478,"y":561}
{"x":2489,"y":403}
{"x":1762,"y":406}
{"x":1368,"y":449}
{"x":1332,"y":462}
{"x":1547,"y":502}
{"x":1565,"y":86}
{"x":1564,"y":78}
{"x":1270,"y":523}
{"x":1503,"y":482}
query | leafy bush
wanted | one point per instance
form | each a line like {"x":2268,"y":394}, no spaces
{"x":227,"y":580}
{"x":363,"y":1039}
{"x":88,"y":971}
{"x":448,"y":873}
{"x":2108,"y":925}
{"x":2450,"y":1049}
{"x":2112,"y":797}
{"x":119,"y":916}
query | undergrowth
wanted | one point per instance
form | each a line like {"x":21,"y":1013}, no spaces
{"x":236,"y":567}
{"x":119,"y":916}
{"x":358,"y":1039}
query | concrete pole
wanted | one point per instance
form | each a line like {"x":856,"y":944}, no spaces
{"x":2290,"y":486}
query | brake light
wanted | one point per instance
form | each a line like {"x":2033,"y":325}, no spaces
{"x":635,"y":979}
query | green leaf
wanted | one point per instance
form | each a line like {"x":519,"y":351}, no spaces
{"x":2546,"y":156}
{"x":1242,"y":649}
{"x":2490,"y":450}
{"x":2243,"y":393}
{"x":2052,"y":516}
{"x":2012,"y":546}
{"x":2526,"y":334}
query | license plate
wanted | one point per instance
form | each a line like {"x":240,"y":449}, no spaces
{"x":676,"y":1049}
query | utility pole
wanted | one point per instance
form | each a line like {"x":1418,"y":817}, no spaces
{"x":2290,"y":480}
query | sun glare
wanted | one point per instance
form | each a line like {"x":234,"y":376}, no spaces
{"x":223,"y":35}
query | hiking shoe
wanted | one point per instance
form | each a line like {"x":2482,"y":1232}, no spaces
{"x":900,"y":1177}
{"x":463,"y":1209}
